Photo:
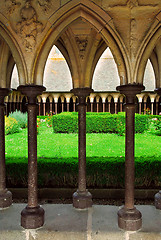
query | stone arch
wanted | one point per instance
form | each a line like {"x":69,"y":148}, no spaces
{"x":16,"y":52}
{"x":146,"y":51}
{"x":95,"y":16}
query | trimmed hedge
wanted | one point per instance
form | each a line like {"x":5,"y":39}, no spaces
{"x":102,"y":172}
{"x":98,"y":123}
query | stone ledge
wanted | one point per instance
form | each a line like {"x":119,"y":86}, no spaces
{"x":63,"y":222}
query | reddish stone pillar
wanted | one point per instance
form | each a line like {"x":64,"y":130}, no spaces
{"x":121,"y":106}
{"x":62,"y":107}
{"x":74,"y":107}
{"x":152,"y":108}
{"x":157,"y":108}
{"x":97,"y":107}
{"x":67,"y":107}
{"x":82,"y":198}
{"x":91,"y":106}
{"x":33,"y":215}
{"x":44,"y":108}
{"x":56,"y":108}
{"x":157,"y":197}
{"x":39,"y":108}
{"x":144,"y":108}
{"x":5,"y":195}
{"x":115,"y":107}
{"x":104,"y":107}
{"x":109,"y":107}
{"x":129,"y":218}
{"x":140,"y":107}
{"x":51,"y":107}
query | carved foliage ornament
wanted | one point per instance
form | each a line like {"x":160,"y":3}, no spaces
{"x":12,"y":5}
{"x":45,"y":5}
{"x":28,"y":27}
{"x":82,"y":45}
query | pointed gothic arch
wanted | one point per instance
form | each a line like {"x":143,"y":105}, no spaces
{"x":15,"y":50}
{"x":95,"y":16}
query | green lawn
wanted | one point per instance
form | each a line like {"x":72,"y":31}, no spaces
{"x":66,"y":145}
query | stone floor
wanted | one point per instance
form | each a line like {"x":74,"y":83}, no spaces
{"x":63,"y":222}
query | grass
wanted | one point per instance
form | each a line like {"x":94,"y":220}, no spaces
{"x":66,"y":145}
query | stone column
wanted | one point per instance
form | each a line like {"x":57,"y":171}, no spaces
{"x":67,"y":107}
{"x":152,"y":108}
{"x":33,"y":215}
{"x":157,"y":106}
{"x":39,"y":108}
{"x":44,"y":108}
{"x":144,"y":108}
{"x":6,"y":108}
{"x":82,"y":198}
{"x":91,"y":102}
{"x":56,"y":105}
{"x":121,"y":106}
{"x":104,"y":104}
{"x":56,"y":108}
{"x":97,"y":107}
{"x":51,"y":107}
{"x":74,"y":107}
{"x":139,"y":107}
{"x":62,"y":106}
{"x":157,"y":197}
{"x":21,"y":106}
{"x":5,"y":195}
{"x":104,"y":107}
{"x":115,"y":107}
{"x":18,"y":106}
{"x":129,"y":218}
{"x":10,"y":107}
{"x":109,"y":107}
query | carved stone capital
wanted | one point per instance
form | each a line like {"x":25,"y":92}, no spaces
{"x":158,"y":91}
{"x":82,"y":93}
{"x":3,"y":92}
{"x":130,"y":91}
{"x":31,"y":91}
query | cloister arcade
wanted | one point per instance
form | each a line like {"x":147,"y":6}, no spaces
{"x":81,"y":30}
{"x":113,"y":102}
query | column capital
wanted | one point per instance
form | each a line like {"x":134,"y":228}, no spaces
{"x":158,"y":91}
{"x":31,"y":91}
{"x":4,"y":92}
{"x":82,"y":92}
{"x":130,"y":91}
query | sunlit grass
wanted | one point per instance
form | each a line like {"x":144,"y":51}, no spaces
{"x":66,"y":145}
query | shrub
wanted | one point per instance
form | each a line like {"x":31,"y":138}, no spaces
{"x":157,"y":125}
{"x":98,"y":123}
{"x":11,"y":126}
{"x":20,"y":117}
{"x":102,"y":172}
{"x":141,"y":123}
{"x":65,"y":123}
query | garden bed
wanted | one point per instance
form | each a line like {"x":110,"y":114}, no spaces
{"x":107,"y":172}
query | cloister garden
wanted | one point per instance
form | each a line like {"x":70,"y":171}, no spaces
{"x":105,"y":144}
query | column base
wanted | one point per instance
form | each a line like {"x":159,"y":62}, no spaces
{"x":32,"y":218}
{"x":82,"y":200}
{"x":5,"y":198}
{"x":129,"y":219}
{"x":158,"y":200}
